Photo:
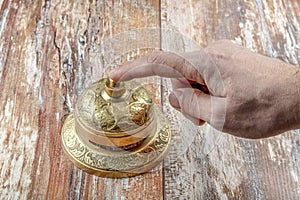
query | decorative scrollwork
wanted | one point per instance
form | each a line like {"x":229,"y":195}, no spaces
{"x":132,"y":118}
{"x":103,"y":114}
{"x":117,"y":117}
{"x":123,"y":161}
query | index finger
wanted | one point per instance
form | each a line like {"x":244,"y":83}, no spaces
{"x":164,"y":64}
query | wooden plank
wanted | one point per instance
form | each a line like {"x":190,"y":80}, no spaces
{"x":235,"y":168}
{"x":50,"y":52}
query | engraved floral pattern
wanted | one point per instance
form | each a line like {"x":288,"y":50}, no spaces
{"x":122,"y":162}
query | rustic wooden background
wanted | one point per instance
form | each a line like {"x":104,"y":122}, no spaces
{"x":51,"y":50}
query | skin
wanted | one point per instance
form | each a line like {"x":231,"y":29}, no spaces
{"x":251,"y":95}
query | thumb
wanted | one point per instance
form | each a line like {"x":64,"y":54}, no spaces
{"x":192,"y":102}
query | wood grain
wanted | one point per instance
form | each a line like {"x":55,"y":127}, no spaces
{"x":215,"y":165}
{"x":50,"y":52}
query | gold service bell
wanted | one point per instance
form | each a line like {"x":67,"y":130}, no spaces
{"x":116,"y":130}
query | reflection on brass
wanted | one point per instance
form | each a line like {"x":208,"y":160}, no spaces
{"x":116,"y":130}
{"x":114,"y":89}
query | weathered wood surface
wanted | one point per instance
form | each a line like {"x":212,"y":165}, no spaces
{"x":51,"y":50}
{"x":225,"y":167}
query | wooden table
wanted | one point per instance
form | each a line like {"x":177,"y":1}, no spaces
{"x":51,"y":50}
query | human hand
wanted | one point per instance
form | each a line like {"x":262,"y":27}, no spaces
{"x":251,"y":95}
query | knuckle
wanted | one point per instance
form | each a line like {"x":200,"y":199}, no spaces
{"x":154,"y":57}
{"x":223,"y":42}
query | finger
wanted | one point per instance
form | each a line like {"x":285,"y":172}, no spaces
{"x":161,"y":63}
{"x":192,"y":102}
{"x":179,"y":83}
{"x":196,"y":121}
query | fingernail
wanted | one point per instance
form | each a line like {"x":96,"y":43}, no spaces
{"x":175,"y":99}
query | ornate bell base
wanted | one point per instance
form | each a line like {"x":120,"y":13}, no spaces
{"x":117,"y":163}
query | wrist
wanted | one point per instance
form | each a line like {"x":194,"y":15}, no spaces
{"x":288,"y":99}
{"x":295,"y":91}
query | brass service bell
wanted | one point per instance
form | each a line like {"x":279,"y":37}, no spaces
{"x":116,"y":130}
